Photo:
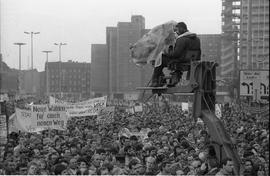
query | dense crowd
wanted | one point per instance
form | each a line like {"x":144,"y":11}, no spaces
{"x":170,"y":144}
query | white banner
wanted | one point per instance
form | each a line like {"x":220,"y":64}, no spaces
{"x":39,"y":118}
{"x":184,"y":106}
{"x":3,"y":97}
{"x":3,"y":129}
{"x":218,"y":111}
{"x":85,"y":108}
{"x":254,"y":83}
{"x":138,"y":108}
{"x":49,"y":117}
{"x":24,"y":119}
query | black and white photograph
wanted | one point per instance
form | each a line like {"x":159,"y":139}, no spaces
{"x":134,"y":87}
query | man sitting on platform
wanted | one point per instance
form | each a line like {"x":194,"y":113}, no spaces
{"x":185,"y":42}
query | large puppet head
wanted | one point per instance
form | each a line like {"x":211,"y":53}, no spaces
{"x":153,"y":43}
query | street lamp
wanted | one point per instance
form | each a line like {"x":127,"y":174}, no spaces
{"x":47,"y":70}
{"x":60,"y":71}
{"x":20,"y":44}
{"x":31,"y":34}
{"x":20,"y":65}
{"x":60,"y":47}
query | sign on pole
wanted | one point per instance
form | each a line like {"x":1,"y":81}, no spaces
{"x":254,"y":83}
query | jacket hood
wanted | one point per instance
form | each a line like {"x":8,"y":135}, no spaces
{"x":187,"y":34}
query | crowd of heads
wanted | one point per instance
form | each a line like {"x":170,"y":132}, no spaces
{"x":171,"y":143}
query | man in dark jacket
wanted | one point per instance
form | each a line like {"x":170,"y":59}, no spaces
{"x":186,"y":41}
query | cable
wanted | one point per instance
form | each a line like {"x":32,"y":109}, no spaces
{"x":206,"y":103}
{"x":145,"y":90}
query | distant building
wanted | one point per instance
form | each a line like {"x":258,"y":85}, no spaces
{"x":99,"y":69}
{"x":42,"y":83}
{"x":254,"y":34}
{"x":30,"y":82}
{"x":68,"y":79}
{"x":9,"y":82}
{"x":211,"y":49}
{"x":122,"y":75}
{"x":230,"y":38}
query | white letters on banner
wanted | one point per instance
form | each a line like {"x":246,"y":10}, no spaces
{"x":252,"y":81}
{"x":84,"y":108}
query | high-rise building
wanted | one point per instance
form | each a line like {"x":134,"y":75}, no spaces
{"x":122,"y":75}
{"x":99,"y":69}
{"x":254,"y":34}
{"x":211,"y":49}
{"x":230,"y":38}
{"x":68,"y":79}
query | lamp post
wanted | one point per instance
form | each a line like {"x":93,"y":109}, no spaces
{"x":20,"y":65}
{"x":60,"y":71}
{"x":47,"y":70}
{"x":20,"y":44}
{"x":60,"y":47}
{"x":32,"y":67}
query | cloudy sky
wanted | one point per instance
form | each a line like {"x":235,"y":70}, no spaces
{"x":80,"y":23}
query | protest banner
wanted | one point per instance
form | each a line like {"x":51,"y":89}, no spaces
{"x":49,"y":117}
{"x":218,"y":111}
{"x":138,"y":108}
{"x":23,"y":120}
{"x":39,"y":118}
{"x":85,"y":108}
{"x":106,"y":115}
{"x":3,"y":129}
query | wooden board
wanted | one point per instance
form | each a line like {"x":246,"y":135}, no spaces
{"x":152,"y":88}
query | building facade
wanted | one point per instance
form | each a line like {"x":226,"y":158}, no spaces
{"x":230,"y":38}
{"x":29,"y":82}
{"x":254,"y":34}
{"x":122,"y":75}
{"x":68,"y":80}
{"x":211,"y":49}
{"x":99,"y":69}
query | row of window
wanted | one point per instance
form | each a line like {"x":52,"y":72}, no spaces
{"x":56,"y":89}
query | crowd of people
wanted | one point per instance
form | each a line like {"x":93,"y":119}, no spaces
{"x":171,"y":143}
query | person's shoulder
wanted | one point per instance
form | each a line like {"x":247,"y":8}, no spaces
{"x":219,"y":173}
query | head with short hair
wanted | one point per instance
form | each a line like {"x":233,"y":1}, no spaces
{"x":165,"y":167}
{"x":132,"y":163}
{"x":248,"y":165}
{"x":181,"y":28}
{"x":227,"y":164}
{"x":212,"y":163}
{"x":32,"y":168}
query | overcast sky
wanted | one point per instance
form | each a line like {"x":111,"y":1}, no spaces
{"x":80,"y":23}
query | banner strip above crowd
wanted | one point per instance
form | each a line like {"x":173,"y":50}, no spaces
{"x":85,"y":108}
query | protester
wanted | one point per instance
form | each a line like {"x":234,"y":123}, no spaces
{"x":150,"y":142}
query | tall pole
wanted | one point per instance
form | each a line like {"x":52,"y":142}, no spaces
{"x":47,"y":71}
{"x":249,"y":37}
{"x":20,"y":61}
{"x":60,"y":70}
{"x":60,"y":48}
{"x":20,"y":66}
{"x":32,"y":57}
